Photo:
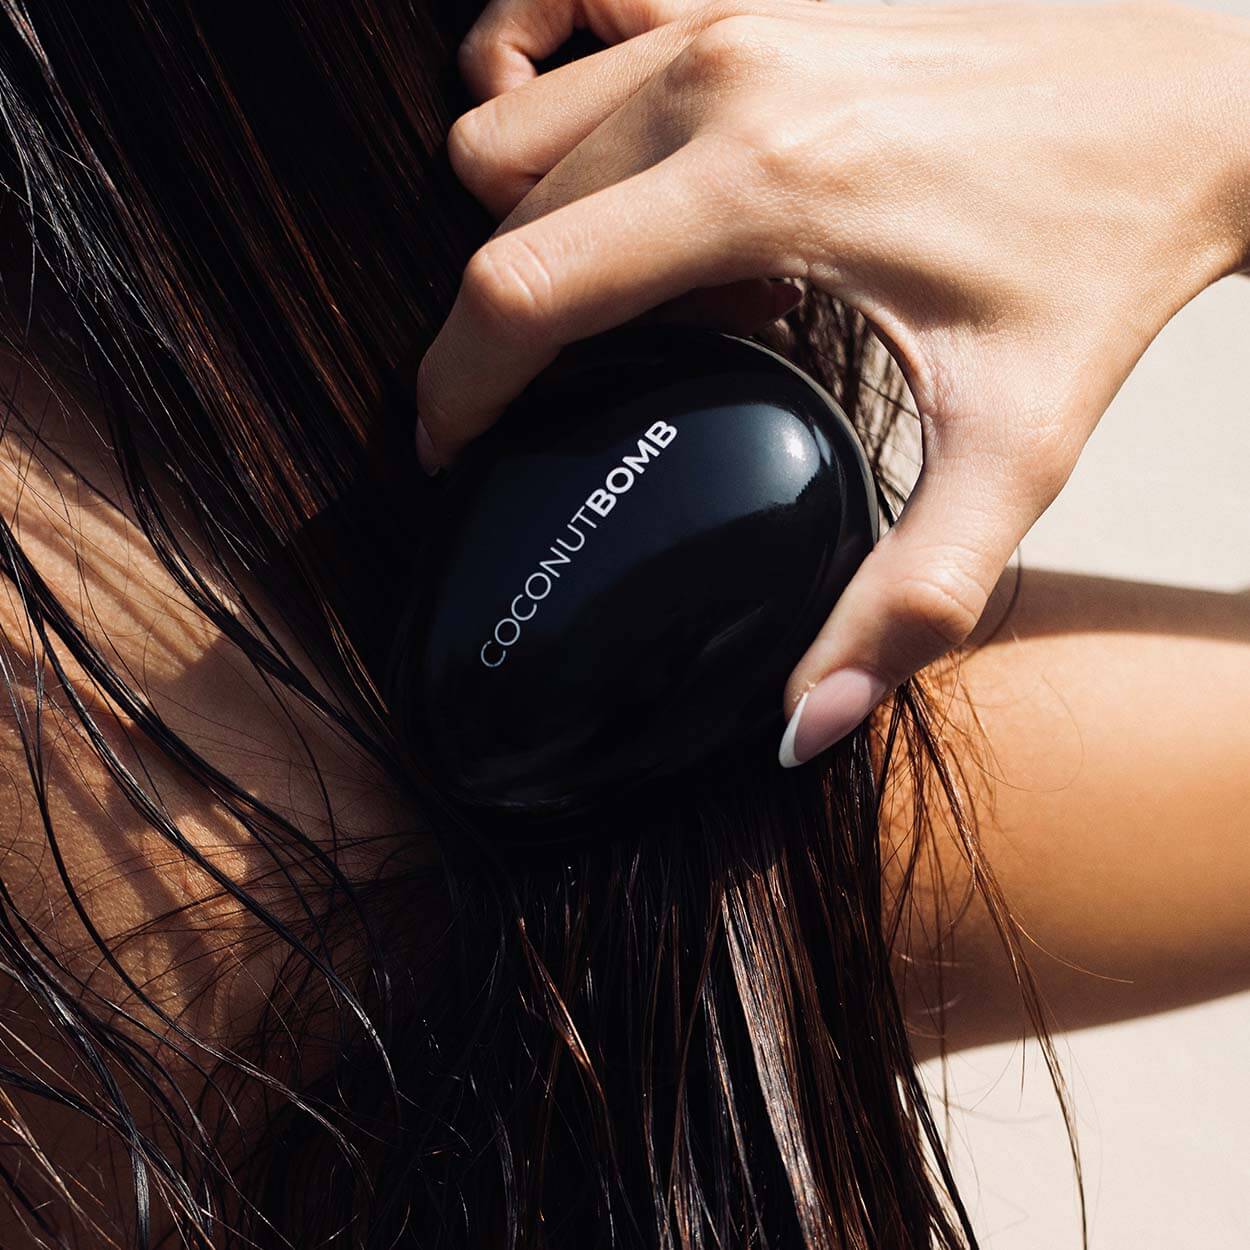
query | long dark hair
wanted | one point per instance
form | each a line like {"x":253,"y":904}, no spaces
{"x":237,"y":230}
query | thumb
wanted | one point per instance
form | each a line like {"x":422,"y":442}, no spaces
{"x":919,"y":593}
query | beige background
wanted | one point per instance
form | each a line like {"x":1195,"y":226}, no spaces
{"x":1163,"y":1104}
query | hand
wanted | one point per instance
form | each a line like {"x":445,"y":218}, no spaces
{"x":1017,"y":198}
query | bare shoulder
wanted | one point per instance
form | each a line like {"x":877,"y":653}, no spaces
{"x":179,"y":933}
{"x":1102,"y":728}
{"x":82,"y":864}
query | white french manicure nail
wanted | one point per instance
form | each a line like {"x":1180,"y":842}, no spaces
{"x":838,"y":703}
{"x":785,"y":755}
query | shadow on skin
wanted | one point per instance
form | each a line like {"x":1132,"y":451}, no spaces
{"x":1054,"y":603}
{"x":1102,"y":726}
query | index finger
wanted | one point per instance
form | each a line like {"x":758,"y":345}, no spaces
{"x":502,"y":46}
{"x":581,"y":269}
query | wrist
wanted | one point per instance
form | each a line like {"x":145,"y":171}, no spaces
{"x":1189,"y":98}
{"x":1229,"y":88}
{"x":1200,"y":90}
{"x":1241,"y":195}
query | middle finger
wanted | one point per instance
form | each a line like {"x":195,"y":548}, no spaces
{"x":504,"y":147}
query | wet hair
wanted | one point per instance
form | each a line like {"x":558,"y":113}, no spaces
{"x":237,"y":230}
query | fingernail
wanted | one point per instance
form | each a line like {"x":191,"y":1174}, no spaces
{"x":827,"y":713}
{"x":425,"y":450}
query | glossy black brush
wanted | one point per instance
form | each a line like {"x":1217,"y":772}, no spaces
{"x":615,"y":581}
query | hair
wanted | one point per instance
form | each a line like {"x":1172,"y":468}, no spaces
{"x":238,"y":231}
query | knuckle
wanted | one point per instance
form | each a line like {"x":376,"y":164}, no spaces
{"x":773,"y":148}
{"x":720,"y":52}
{"x":477,"y":159}
{"x":508,"y":286}
{"x":464,"y":144}
{"x":707,"y":12}
{"x":940,"y":608}
{"x":1038,"y":444}
{"x":702,"y":15}
{"x":1046,"y":463}
{"x":474,"y":49}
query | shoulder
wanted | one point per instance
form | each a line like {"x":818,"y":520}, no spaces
{"x":128,"y":822}
{"x":1101,"y":732}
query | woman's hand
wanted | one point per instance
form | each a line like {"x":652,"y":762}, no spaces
{"x":1017,"y":198}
